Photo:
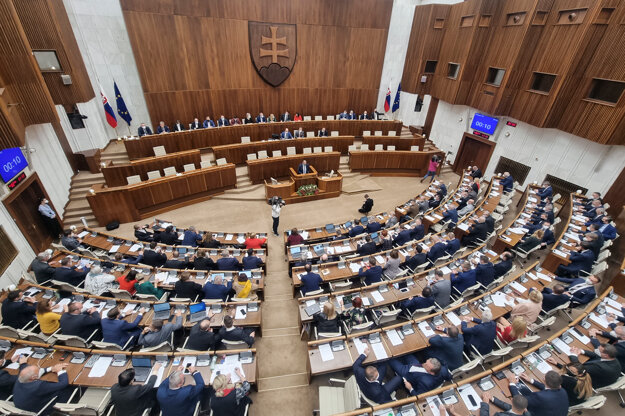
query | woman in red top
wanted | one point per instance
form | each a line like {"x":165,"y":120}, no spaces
{"x":294,"y":239}
{"x":432,"y":166}
{"x":297,"y":117}
{"x":252,"y":241}
{"x":127,"y":282}
{"x":507,"y":332}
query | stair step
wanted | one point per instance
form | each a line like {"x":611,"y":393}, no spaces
{"x":77,"y":204}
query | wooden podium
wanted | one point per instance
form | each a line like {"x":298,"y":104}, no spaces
{"x":327,"y":187}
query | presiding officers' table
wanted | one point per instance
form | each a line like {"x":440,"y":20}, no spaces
{"x":394,"y":161}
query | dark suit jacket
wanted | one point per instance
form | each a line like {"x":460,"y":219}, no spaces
{"x":477,"y":231}
{"x":144,"y":131}
{"x":203,"y":263}
{"x":476,"y":173}
{"x":188,"y":289}
{"x":213,"y":291}
{"x":209,"y":123}
{"x":117,"y":330}
{"x":463,"y":280}
{"x":502,"y":267}
{"x":416,"y":260}
{"x":507,"y":183}
{"x":132,"y":400}
{"x":43,"y":271}
{"x":371,"y":275}
{"x":580,"y":296}
{"x":17,"y":314}
{"x":260,"y":119}
{"x":202,"y":340}
{"x":417,"y":232}
{"x":451,"y":215}
{"x":367,"y":205}
{"x":602,"y":373}
{"x":322,"y":133}
{"x":166,"y":238}
{"x":237,"y":334}
{"x":223,"y":122}
{"x":81,"y":325}
{"x":417,"y":302}
{"x":177,"y":264}
{"x":251,"y":262}
{"x":581,"y":261}
{"x":481,"y":336}
{"x":163,"y":129}
{"x":299,"y":134}
{"x":402,"y":238}
{"x":372,"y":390}
{"x":178,"y":127}
{"x":357,"y":230}
{"x":367,"y":249}
{"x":373,"y":227}
{"x":195,"y":126}
{"x":485,"y":273}
{"x":300,"y":168}
{"x":551,"y":300}
{"x":228,"y":263}
{"x":436,"y":251}
{"x":35,"y":395}
{"x":154,"y":259}
{"x":285,"y":117}
{"x":7,"y":381}
{"x":448,"y":350}
{"x":143,"y":235}
{"x":545,"y":192}
{"x":71,"y":276}
{"x":452,"y":246}
{"x":544,"y":402}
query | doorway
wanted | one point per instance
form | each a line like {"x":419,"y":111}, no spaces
{"x":23,"y":205}
{"x":473,"y":151}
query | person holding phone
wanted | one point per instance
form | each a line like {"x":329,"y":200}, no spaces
{"x":175,"y":398}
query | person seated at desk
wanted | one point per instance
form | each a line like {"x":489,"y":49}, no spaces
{"x":417,"y":259}
{"x":203,"y":262}
{"x":546,"y":191}
{"x":476,"y":185}
{"x":508,"y":332}
{"x":438,"y":249}
{"x":286,"y":134}
{"x":169,"y":236}
{"x":176,"y":399}
{"x":229,"y":398}
{"x":300,"y":133}
{"x":550,"y":399}
{"x":327,"y":321}
{"x":517,"y":408}
{"x":343,"y":115}
{"x":462,"y":280}
{"x":226,"y":262}
{"x":373,"y":227}
{"x":552,"y":298}
{"x":441,"y":289}
{"x":604,"y":368}
{"x":208,"y":122}
{"x":128,"y":282}
{"x":248,"y":119}
{"x":159,"y":332}
{"x":417,"y":232}
{"x":462,"y":201}
{"x":502,"y":267}
{"x":117,"y":331}
{"x":297,"y":117}
{"x":70,"y":241}
{"x":162,"y":128}
{"x":607,"y":230}
{"x":581,"y":290}
{"x":48,"y":320}
{"x":528,"y":309}
{"x":541,"y":237}
{"x":142,"y":234}
{"x":507,"y":182}
{"x":18,"y":311}
{"x":597,"y":218}
{"x":68,"y":273}
{"x":356,"y":315}
{"x":250,"y":261}
{"x":413,"y":303}
{"x":209,"y":241}
{"x":294,"y":238}
{"x":272,"y":118}
{"x":304,"y":168}
{"x":32,"y":394}
{"x":364,"y":116}
{"x":452,"y":245}
{"x":202,"y":337}
{"x":595,"y":240}
{"x":536,"y":225}
{"x":478,"y":233}
{"x":468,"y":207}
{"x":178,"y":126}
{"x":580,"y":261}
{"x":99,"y":283}
{"x":190,"y":237}
{"x":352,"y":115}
{"x":177,"y":262}
{"x":310,"y":281}
{"x":447,"y":348}
{"x":367,"y":248}
{"x":229,"y":332}
{"x":475,"y":172}
{"x":285,"y":117}
{"x":420,"y":378}
{"x":7,"y":381}
{"x":261,"y":118}
{"x":132,"y":399}
{"x":42,"y":269}
{"x":216,"y":289}
{"x":370,"y":379}
{"x":145,"y":287}
{"x":484,"y":271}
{"x":481,"y":336}
{"x":367,"y":205}
{"x":244,"y":288}
{"x":186,"y":288}
{"x":322,"y":133}
{"x":253,"y":241}
{"x":385,"y":240}
{"x":372,"y":272}
{"x":616,"y":337}
{"x":450,"y":217}
{"x":357,"y":229}
{"x":144,"y":130}
{"x":74,"y":322}
{"x":391,"y":268}
{"x":223,"y":121}
{"x":196,"y":124}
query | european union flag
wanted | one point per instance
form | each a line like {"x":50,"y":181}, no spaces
{"x":396,"y":102}
{"x":121,"y":106}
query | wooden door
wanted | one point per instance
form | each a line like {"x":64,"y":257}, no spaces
{"x":22,"y":204}
{"x":474,"y":151}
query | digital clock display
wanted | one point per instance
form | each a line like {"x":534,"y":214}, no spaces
{"x":12,"y":162}
{"x":484,"y":123}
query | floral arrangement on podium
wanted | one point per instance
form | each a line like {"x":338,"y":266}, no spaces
{"x":306,"y":190}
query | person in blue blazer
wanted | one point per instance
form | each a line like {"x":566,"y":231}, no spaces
{"x":303,"y":168}
{"x":208,"y":123}
{"x":162,"y":128}
{"x":190,"y":237}
{"x":480,"y":336}
{"x":261,"y":118}
{"x":438,"y":249}
{"x":286,"y":134}
{"x":580,"y":290}
{"x":32,"y":394}
{"x":310,"y":281}
{"x":550,"y":399}
{"x":450,"y":217}
{"x":420,"y":378}
{"x":464,"y":279}
{"x":373,"y":227}
{"x":548,"y":237}
{"x":227,"y":263}
{"x":216,"y":289}
{"x":580,"y":261}
{"x":485,"y":271}
{"x":368,"y":248}
{"x":453,"y":244}
{"x":442,"y":189}
{"x":418,"y":231}
{"x":418,"y":258}
{"x":144,"y":130}
{"x":606,"y":229}
{"x":418,"y":302}
{"x":118,"y":331}
{"x":502,"y":267}
{"x":372,"y":273}
{"x":447,"y":348}
{"x":370,"y":379}
{"x":545,"y":191}
{"x":403,"y":237}
{"x":250,"y":261}
{"x":554,"y":297}
{"x":507,"y":182}
{"x":69,"y":274}
{"x":223,"y":121}
{"x":357,"y":229}
{"x":176,"y":398}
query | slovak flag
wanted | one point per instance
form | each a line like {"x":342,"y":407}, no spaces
{"x":108,"y":110}
{"x":387,"y":101}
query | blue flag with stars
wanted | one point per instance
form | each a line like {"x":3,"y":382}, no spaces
{"x":121,"y":106}
{"x":396,"y":102}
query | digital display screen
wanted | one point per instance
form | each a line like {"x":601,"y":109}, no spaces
{"x":12,"y":162}
{"x":484,"y":123}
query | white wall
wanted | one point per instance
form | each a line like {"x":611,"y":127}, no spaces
{"x":103,"y":41}
{"x":95,"y":135}
{"x":55,"y":173}
{"x":546,"y":151}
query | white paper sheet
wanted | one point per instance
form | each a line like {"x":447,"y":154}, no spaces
{"x":438,"y":217}
{"x":59,"y":306}
{"x":114,"y":248}
{"x":380,"y":259}
{"x":610,"y":309}
{"x":492,"y":253}
{"x":561,"y":345}
{"x":326,"y":352}
{"x":135,"y":248}
{"x":466,"y":391}
{"x":600,"y":320}
{"x":354,"y":267}
{"x":366,"y":301}
{"x":377,"y":296}
{"x":532,"y":276}
{"x":431,"y":401}
{"x":463,"y":226}
{"x":229,"y":237}
{"x":159,"y":376}
{"x":379,"y":351}
{"x":100,"y":367}
{"x":446,"y":270}
{"x":560,"y":253}
{"x":429,"y":218}
{"x":544,"y":367}
{"x":453,"y":318}
{"x":310,"y":302}
{"x":394,"y":337}
{"x":613,"y":303}
{"x":424,"y":327}
{"x":161,"y":276}
{"x":581,"y":337}
{"x":544,"y":277}
{"x":360,"y":346}
{"x":130,"y":308}
{"x":227,"y":369}
{"x":499,"y":299}
{"x":241,"y":312}
{"x":190,"y":359}
{"x":83,"y":234}
{"x":518,"y":287}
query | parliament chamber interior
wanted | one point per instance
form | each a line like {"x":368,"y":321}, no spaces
{"x":312,"y":207}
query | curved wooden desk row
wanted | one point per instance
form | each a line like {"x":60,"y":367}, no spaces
{"x":506,"y":240}
{"x":392,"y":162}
{"x":224,"y":237}
{"x":422,"y":405}
{"x":133,"y":202}
{"x":79,"y":375}
{"x":237,"y":153}
{"x":207,"y":138}
{"x":278,"y":167}
{"x":400,"y":143}
{"x":117,"y":174}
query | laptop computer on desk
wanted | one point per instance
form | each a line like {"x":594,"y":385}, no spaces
{"x":142,"y":367}
{"x":197,"y":312}
{"x":312,"y":309}
{"x":161,"y":311}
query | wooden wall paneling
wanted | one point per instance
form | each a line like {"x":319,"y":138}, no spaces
{"x":473,"y":151}
{"x":616,"y":196}
{"x":278,"y":167}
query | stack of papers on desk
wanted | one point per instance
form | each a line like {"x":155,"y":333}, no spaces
{"x":581,"y":337}
{"x":354,"y":267}
{"x":241,"y":312}
{"x":240,"y":240}
{"x":544,"y":277}
{"x":130,"y":308}
{"x":517,"y":230}
{"x":161,"y":276}
{"x":100,"y":366}
{"x":561,"y":345}
{"x":380,"y":259}
{"x":463,"y":226}
{"x":360,"y":346}
{"x":446,"y":270}
{"x":379,"y":351}
{"x":518,"y":287}
{"x":89,"y":303}
{"x":453,"y":318}
{"x":505,"y":238}
{"x":171,"y":279}
{"x":429,"y":218}
{"x":532,"y":199}
{"x":227,"y":368}
{"x":84,"y":263}
{"x":304,"y":234}
{"x":499,"y":299}
{"x":431,"y":401}
{"x":326,"y":352}
{"x":229,"y":237}
{"x":544,"y":367}
{"x":579,"y":218}
{"x":394,"y":337}
{"x":575,"y":227}
{"x":114,"y":248}
{"x":83,"y":234}
{"x":377,"y":296}
{"x":611,"y":302}
{"x":59,"y":306}
{"x":439,"y":217}
{"x":425,"y":329}
{"x":600,"y":320}
{"x":572,"y":236}
{"x":560,"y":253}
{"x":135,"y":248}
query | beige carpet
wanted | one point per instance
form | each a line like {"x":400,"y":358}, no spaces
{"x":359,"y":185}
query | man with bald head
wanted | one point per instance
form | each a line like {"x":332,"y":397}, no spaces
{"x":202,"y":337}
{"x":32,"y":394}
{"x":216,"y":289}
{"x":477,"y":233}
{"x":175,"y":398}
{"x":370,"y":379}
{"x":74,"y":322}
{"x":43,"y":271}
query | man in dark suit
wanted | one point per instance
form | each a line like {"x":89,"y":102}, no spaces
{"x":489,"y":221}
{"x":372,"y":272}
{"x":546,"y":191}
{"x":196,"y":124}
{"x":477,"y":233}
{"x":552,"y":298}
{"x":475,"y":172}
{"x":17,"y":312}
{"x":616,"y":337}
{"x":502,"y":267}
{"x":142,"y":234}
{"x":32,"y":394}
{"x":73,"y":322}
{"x":370,"y":379}
{"x":402,"y":238}
{"x":7,"y":381}
{"x":481,"y":336}
{"x":303,"y":168}
{"x":177,"y":399}
{"x":43,"y":271}
{"x":69,"y":274}
{"x":550,"y":399}
{"x":261,"y":118}
{"x":580,"y":261}
{"x":178,"y":126}
{"x":153,"y":256}
{"x":300,"y":133}
{"x":417,"y":259}
{"x":447,"y":348}
{"x":310,"y":281}
{"x":607,"y":230}
{"x":364,"y":116}
{"x":450,"y":217}
{"x":418,"y":302}
{"x":168,"y":236}
{"x":162,"y":128}
{"x":343,"y":115}
{"x":250,"y":261}
{"x":216,"y":289}
{"x":286,"y":117}
{"x":604,"y":368}
{"x":517,"y":408}
{"x":484,"y":271}
{"x":144,"y":130}
{"x":118,"y":331}
{"x":202,"y":337}
{"x":286,"y":134}
{"x":209,"y":123}
{"x":190,"y":237}
{"x":418,"y":230}
{"x":462,"y":280}
{"x":229,"y":332}
{"x":223,"y":121}
{"x":177,"y":262}
{"x":438,"y":249}
{"x":226,"y":262}
{"x":367,"y":248}
{"x":322,"y":133}
{"x":452,"y":245}
{"x":132,"y":399}
{"x":580,"y":290}
{"x":357,"y":229}
{"x":507,"y":182}
{"x":186,"y":288}
{"x":420,"y":378}
{"x":367,"y":205}
{"x":373,"y":227}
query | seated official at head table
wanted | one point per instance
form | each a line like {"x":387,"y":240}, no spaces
{"x":299,"y":133}
{"x":144,"y":130}
{"x":162,"y":128}
{"x":304,"y":168}
{"x":286,"y":134}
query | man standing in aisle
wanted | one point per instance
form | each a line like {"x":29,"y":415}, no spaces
{"x":276,"y":206}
